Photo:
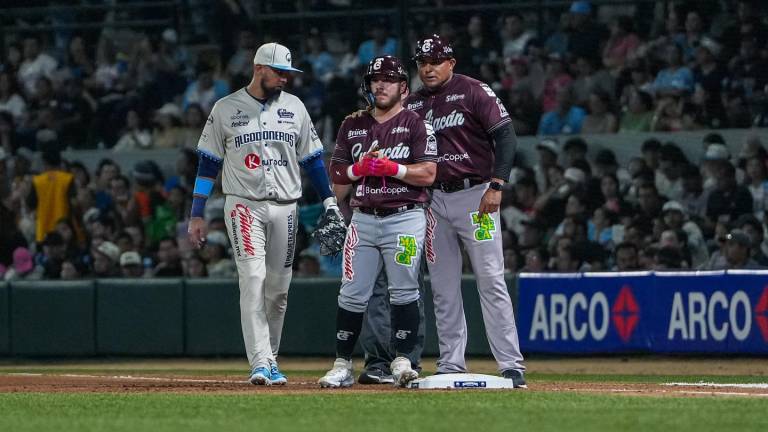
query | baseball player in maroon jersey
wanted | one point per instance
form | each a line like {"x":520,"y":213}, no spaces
{"x":388,"y":156}
{"x":477,"y":148}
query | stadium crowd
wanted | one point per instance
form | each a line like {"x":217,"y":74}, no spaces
{"x":127,"y":91}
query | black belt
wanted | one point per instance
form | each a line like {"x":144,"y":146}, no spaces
{"x":457,"y":185}
{"x":384,"y":212}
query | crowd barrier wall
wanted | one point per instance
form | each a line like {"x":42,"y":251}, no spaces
{"x":721,"y":312}
{"x":177,"y":317}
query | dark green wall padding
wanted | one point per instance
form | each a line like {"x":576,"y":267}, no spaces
{"x":177,"y":317}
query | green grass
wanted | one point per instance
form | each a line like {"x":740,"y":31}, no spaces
{"x":393,"y":412}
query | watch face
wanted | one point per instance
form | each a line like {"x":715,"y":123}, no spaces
{"x":495,"y":185}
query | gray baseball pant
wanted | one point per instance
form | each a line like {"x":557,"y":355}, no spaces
{"x":452,"y":219}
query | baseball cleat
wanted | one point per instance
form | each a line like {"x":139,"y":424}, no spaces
{"x":402,"y":372}
{"x":260,"y":376}
{"x":517,"y":377}
{"x":375,"y":376}
{"x":340,"y":376}
{"x":277,"y":377}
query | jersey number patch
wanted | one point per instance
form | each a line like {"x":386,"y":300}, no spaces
{"x":408,"y":250}
{"x":485,"y":226}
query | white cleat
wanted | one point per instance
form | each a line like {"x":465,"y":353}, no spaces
{"x":402,"y":372}
{"x":340,"y":376}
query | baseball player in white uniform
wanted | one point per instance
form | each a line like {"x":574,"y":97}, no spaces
{"x":260,"y":134}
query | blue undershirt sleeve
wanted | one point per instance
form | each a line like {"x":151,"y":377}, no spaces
{"x":315,"y":169}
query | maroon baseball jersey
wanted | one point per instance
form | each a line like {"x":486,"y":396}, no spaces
{"x":464,"y":112}
{"x":405,"y":139}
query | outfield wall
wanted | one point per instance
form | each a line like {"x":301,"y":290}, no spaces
{"x":177,"y":317}
{"x":671,"y":312}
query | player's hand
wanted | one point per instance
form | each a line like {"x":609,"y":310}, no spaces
{"x":383,"y":167}
{"x":197,"y":231}
{"x":490,"y":202}
{"x":364,"y":166}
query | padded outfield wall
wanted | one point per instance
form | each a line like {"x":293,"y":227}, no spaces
{"x":177,"y":317}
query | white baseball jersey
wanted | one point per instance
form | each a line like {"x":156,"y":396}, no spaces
{"x":260,"y":145}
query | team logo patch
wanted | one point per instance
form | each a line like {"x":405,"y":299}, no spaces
{"x":402,"y":334}
{"x":284,"y":113}
{"x":210,"y":119}
{"x":485,"y":226}
{"x":350,"y":243}
{"x":252,"y":161}
{"x":343,"y":335}
{"x":408,"y":250}
{"x":502,"y":111}
{"x":430,"y":237}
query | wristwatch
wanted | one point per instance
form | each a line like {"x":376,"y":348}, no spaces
{"x":495,"y":185}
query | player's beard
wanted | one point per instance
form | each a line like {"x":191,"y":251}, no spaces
{"x":386,"y":105}
{"x":269,"y":93}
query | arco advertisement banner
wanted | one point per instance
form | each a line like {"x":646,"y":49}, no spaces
{"x":670,"y":312}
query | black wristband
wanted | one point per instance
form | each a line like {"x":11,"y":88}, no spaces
{"x":495,"y":186}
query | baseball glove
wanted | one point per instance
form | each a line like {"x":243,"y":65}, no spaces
{"x":330,"y":232}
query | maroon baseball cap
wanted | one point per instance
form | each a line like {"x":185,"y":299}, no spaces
{"x":433,"y":47}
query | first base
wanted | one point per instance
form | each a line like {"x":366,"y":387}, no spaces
{"x":461,"y":381}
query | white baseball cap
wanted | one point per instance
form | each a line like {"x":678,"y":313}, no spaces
{"x":275,"y":56}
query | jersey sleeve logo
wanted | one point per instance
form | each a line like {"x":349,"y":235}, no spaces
{"x":487,"y":90}
{"x":431,"y":149}
{"x":502,"y":111}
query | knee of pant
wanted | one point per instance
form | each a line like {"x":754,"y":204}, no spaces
{"x":403,"y":296}
{"x":352,"y":303}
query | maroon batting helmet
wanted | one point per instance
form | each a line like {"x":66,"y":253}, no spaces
{"x":433,"y":47}
{"x":384,"y":65}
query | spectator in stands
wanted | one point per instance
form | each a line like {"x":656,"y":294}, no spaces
{"x":694,"y":35}
{"x":72,"y":269}
{"x":590,"y":79}
{"x":524,"y":111}
{"x":194,"y":266}
{"x":738,"y":251}
{"x":586,"y":37}
{"x":535,"y":260}
{"x":626,"y":257}
{"x":674,"y":217}
{"x":667,"y":258}
{"x":754,"y":229}
{"x":649,"y":202}
{"x":728,"y":200}
{"x":168,"y":260}
{"x":168,"y":132}
{"x":134,"y":136}
{"x":566,"y":118}
{"x":307,"y":265}
{"x":36,"y":65}
{"x":514,"y":36}
{"x":23,"y":267}
{"x":109,"y":79}
{"x":106,"y":258}
{"x":747,"y":71}
{"x":131,"y":265}
{"x":556,"y":80}
{"x":218,"y":264}
{"x":52,"y":194}
{"x":205,"y":90}
{"x":10,"y":100}
{"x":557,"y":41}
{"x":522,"y":205}
{"x":240,"y":65}
{"x":79,"y":63}
{"x":475,"y":47}
{"x":748,"y":22}
{"x":194,"y":121}
{"x":547,"y":150}
{"x":757,"y":182}
{"x":600,"y":119}
{"x":638,"y":114}
{"x":575,"y":149}
{"x":379,"y":44}
{"x":323,"y":63}
{"x":622,"y":44}
{"x":668,"y":177}
{"x":676,"y":79}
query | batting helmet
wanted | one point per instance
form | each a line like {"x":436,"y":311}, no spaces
{"x":384,"y":65}
{"x":433,"y":47}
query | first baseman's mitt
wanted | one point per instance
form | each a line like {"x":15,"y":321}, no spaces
{"x":331,"y":232}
